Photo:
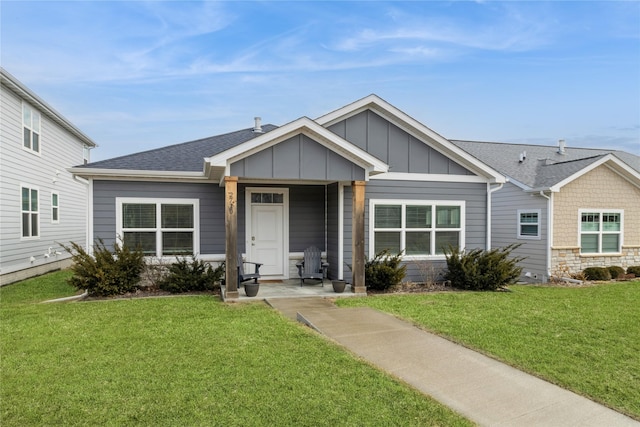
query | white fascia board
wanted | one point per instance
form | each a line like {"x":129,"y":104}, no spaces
{"x":413,"y":127}
{"x":428,"y":177}
{"x":25,"y":93}
{"x":305,"y":126}
{"x":609,"y":160}
{"x":138,"y":174}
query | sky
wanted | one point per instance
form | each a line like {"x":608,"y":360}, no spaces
{"x":137,"y":75}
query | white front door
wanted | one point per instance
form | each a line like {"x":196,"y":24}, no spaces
{"x":266,"y":231}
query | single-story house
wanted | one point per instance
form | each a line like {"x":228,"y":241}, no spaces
{"x":354,"y":181}
{"x":569,"y":208}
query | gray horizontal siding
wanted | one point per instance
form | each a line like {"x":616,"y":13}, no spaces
{"x":504,"y":227}
{"x":211,"y":196}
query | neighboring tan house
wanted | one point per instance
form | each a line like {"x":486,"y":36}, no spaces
{"x":570,"y":208}
{"x":352,"y":182}
{"x":42,"y":205}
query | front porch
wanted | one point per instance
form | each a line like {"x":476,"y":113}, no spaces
{"x":291,"y":289}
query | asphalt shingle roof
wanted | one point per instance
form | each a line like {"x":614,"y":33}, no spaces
{"x":543,"y":165}
{"x":185,"y":157}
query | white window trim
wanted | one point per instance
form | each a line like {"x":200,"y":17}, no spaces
{"x":601,"y":211}
{"x":30,"y":127}
{"x":404,"y":203}
{"x":527,"y":237}
{"x":39,"y":212}
{"x":158,"y":230}
{"x":55,"y":221}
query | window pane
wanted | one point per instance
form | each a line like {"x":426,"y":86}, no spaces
{"x":388,"y":216}
{"x":446,"y":238}
{"x":447,"y":217}
{"x":610,"y":222}
{"x":610,"y":243}
{"x":34,"y":200}
{"x":26,"y":115}
{"x":25,"y":225}
{"x":589,"y":243}
{"x":55,"y":214}
{"x":35,"y":122}
{"x":34,"y":224}
{"x":418,"y":217}
{"x":267,"y":198}
{"x":35,"y":146}
{"x":387,"y":240}
{"x":529,"y":217}
{"x":25,"y":199}
{"x":590,"y":222}
{"x":177,"y":216}
{"x":278,"y":198}
{"x":255,"y":197}
{"x":177,"y":243}
{"x":54,"y":199}
{"x":528,"y":230}
{"x":418,"y":243}
{"x":139,"y":215}
{"x":146,"y":241}
{"x":27,"y":138}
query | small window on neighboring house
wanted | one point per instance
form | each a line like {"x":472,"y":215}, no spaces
{"x":600,"y":231}
{"x":55,"y":208}
{"x":31,"y":128}
{"x":86,"y":154}
{"x":528,"y":224}
{"x":30,"y":217}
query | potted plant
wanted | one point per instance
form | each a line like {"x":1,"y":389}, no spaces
{"x":251,"y":289}
{"x":338,"y":286}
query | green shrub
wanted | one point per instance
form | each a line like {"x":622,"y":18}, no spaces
{"x":615,"y":271}
{"x":384,"y":271}
{"x":106,"y":272}
{"x":482,"y":270}
{"x":634,"y":269}
{"x":596,"y":273}
{"x":191,"y":275}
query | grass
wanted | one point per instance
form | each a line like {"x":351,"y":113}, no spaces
{"x":184,"y":361}
{"x":586,"y":339}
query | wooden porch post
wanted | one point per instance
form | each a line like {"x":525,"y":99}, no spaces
{"x":231,"y":233}
{"x":357,"y":234}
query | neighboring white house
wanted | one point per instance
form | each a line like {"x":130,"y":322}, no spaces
{"x":41,"y":204}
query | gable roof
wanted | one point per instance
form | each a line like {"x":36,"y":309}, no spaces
{"x":26,"y":94}
{"x":415,"y":128}
{"x":543,"y":167}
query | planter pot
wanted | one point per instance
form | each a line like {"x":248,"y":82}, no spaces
{"x":251,"y":289}
{"x":338,"y":285}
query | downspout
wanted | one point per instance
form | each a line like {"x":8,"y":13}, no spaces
{"x":89,"y":212}
{"x":489,"y":192}
{"x":340,"y":231}
{"x":549,"y":230}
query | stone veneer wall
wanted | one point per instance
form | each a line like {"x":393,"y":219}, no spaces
{"x":600,"y":188}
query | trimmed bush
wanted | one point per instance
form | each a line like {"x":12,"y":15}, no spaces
{"x":596,"y":273}
{"x":106,"y":272}
{"x":384,"y":271}
{"x":615,"y":271}
{"x":635,"y":270}
{"x":191,"y":275}
{"x":481,"y":270}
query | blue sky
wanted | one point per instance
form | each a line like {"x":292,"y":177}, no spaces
{"x":140,"y":75}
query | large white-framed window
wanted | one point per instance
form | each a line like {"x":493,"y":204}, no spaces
{"x":160,"y":227}
{"x":55,"y":207}
{"x":31,"y":128}
{"x":601,"y":231}
{"x":529,"y":223}
{"x":420,"y":228}
{"x":30,"y":211}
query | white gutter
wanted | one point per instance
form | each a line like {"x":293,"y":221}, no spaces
{"x":88,"y":209}
{"x":489,"y":192}
{"x":549,"y":229}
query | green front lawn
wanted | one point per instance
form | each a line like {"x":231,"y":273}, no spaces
{"x":183,"y":361}
{"x":586,"y":339}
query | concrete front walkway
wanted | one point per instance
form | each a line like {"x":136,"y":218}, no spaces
{"x":487,"y":392}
